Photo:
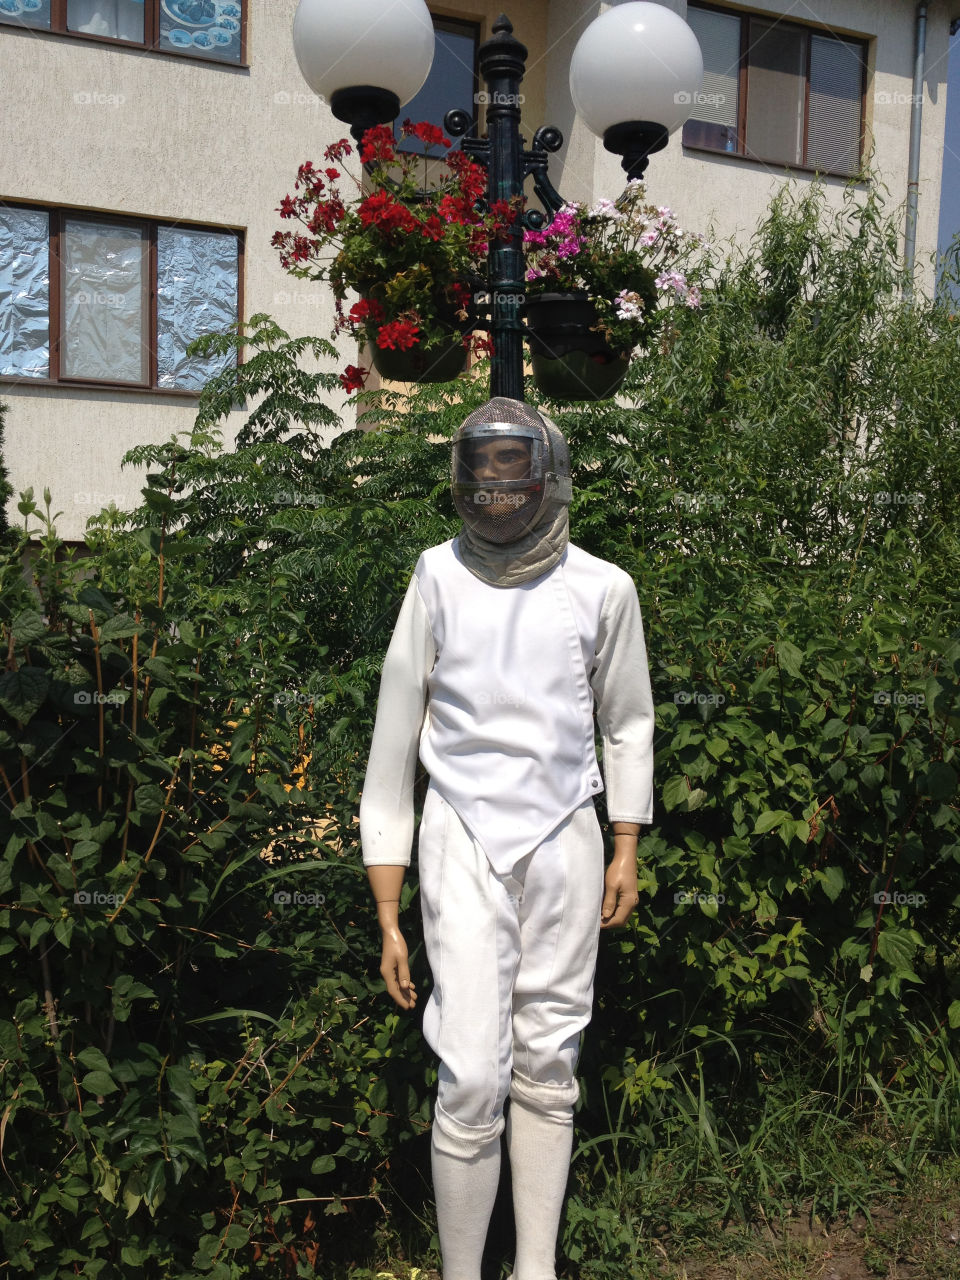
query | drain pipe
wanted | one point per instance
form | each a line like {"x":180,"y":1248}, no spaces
{"x":913,"y":166}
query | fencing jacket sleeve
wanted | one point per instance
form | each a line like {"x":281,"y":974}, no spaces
{"x":386,"y":806}
{"x":621,"y":684}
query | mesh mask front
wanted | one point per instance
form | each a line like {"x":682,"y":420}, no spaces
{"x":506,"y":468}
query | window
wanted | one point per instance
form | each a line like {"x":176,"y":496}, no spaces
{"x":94,"y":298}
{"x":197,"y":28}
{"x":452,"y":81}
{"x":777,"y":91}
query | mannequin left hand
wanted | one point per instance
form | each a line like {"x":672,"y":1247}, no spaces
{"x":620,"y":890}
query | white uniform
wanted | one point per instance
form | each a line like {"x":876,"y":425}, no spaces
{"x":510,"y":853}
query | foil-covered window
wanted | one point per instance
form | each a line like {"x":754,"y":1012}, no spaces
{"x":24,"y":293}
{"x":197,"y":292}
{"x":26,"y":13}
{"x":105,"y":331}
{"x":203,"y":28}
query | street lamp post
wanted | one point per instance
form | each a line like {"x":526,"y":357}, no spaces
{"x":633,"y":77}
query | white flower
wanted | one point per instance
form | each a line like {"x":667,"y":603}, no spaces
{"x":629,"y":305}
{"x":605,"y":208}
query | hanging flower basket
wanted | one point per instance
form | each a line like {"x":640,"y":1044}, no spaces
{"x":571,"y":359}
{"x":441,"y":363}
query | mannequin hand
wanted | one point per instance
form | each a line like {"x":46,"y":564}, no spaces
{"x":395,"y":970}
{"x":620,"y":891}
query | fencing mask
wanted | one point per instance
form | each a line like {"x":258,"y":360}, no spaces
{"x":510,"y":479}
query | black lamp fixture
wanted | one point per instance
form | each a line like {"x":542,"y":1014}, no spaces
{"x":634,"y":76}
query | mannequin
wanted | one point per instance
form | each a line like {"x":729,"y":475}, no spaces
{"x":508,"y":639}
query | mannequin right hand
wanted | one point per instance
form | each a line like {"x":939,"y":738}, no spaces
{"x":395,"y":970}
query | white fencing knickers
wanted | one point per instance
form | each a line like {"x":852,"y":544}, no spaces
{"x":513,"y":959}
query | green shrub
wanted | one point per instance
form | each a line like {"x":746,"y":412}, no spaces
{"x":198,"y":1079}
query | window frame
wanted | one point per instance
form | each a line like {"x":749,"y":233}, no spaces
{"x":744,"y":15}
{"x":151,"y":34}
{"x":58,"y":215}
{"x":456,"y":26}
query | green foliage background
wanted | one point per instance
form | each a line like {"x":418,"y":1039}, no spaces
{"x":201,"y":1079}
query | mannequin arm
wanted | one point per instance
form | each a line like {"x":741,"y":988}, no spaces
{"x":386,"y":881}
{"x":621,"y":894}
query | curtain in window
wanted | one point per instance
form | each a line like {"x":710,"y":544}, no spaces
{"x":833,"y":131}
{"x":197,"y":292}
{"x":24,"y":293}
{"x":119,"y":19}
{"x":719,"y":37}
{"x":776,"y":84}
{"x":104,"y":316}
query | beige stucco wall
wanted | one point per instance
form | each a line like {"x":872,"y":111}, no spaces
{"x":132,"y":132}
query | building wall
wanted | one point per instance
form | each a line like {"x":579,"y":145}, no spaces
{"x":731,"y":193}
{"x":140,"y":133}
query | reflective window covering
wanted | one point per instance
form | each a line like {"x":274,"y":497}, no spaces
{"x":116,"y":19}
{"x":197,"y":292}
{"x":204,"y":28}
{"x":105,"y":333}
{"x":24,"y":293}
{"x":26,"y":13}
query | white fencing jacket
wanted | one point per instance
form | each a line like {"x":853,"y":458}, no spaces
{"x":509,"y":676}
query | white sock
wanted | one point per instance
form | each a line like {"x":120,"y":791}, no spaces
{"x":539,"y":1143}
{"x":464,"y":1189}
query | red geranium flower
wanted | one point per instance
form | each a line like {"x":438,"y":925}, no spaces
{"x":366,"y":311}
{"x":429,"y":134}
{"x":378,"y":145}
{"x":382,"y":210}
{"x":352,"y":378}
{"x":399,"y":333}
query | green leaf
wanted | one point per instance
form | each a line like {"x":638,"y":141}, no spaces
{"x":767,"y":821}
{"x":22,"y":692}
{"x":98,"y":1082}
{"x":790,"y":657}
{"x":28,"y":627}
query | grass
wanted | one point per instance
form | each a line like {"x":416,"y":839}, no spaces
{"x":790,"y":1175}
